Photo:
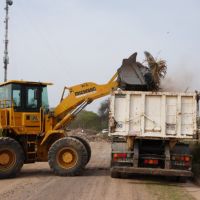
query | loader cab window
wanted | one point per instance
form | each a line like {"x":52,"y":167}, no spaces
{"x":5,"y":96}
{"x":32,"y":97}
{"x":45,"y":102}
{"x":24,"y":97}
{"x":16,"y":96}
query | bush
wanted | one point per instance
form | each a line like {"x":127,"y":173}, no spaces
{"x":86,"y":120}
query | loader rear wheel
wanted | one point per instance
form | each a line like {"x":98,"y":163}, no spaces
{"x":87,"y":146}
{"x":67,"y":157}
{"x":11,"y":157}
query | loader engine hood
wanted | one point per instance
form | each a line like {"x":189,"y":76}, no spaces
{"x":132,"y":75}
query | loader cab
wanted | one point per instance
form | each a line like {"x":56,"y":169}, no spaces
{"x":24,"y":96}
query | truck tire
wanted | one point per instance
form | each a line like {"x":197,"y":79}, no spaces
{"x":87,"y":146}
{"x":11,"y":157}
{"x":67,"y":157}
{"x":115,"y":174}
{"x":178,"y":179}
{"x":182,"y":179}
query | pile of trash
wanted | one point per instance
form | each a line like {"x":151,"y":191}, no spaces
{"x":90,"y":135}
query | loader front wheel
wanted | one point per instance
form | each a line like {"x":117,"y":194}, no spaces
{"x":11,"y":157}
{"x":87,"y":146}
{"x":67,"y":157}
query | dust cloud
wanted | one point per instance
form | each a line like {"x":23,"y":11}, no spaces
{"x":182,"y":79}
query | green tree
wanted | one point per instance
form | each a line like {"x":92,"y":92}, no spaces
{"x":86,"y":120}
{"x":103,"y":112}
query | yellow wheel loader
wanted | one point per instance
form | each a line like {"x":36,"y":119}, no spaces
{"x":31,"y":132}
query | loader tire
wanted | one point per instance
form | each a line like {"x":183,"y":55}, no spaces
{"x":87,"y":146}
{"x":11,"y":157}
{"x":67,"y":157}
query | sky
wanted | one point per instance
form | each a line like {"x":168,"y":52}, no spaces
{"x":69,"y":42}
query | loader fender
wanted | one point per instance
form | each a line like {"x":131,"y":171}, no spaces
{"x":50,"y":133}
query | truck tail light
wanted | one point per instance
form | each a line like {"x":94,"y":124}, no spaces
{"x":119,"y":155}
{"x":187,"y":158}
{"x":181,"y":160}
{"x":155,"y":162}
{"x":151,"y":161}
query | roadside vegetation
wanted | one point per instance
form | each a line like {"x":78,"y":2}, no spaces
{"x":92,"y":121}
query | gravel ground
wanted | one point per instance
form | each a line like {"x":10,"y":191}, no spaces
{"x":37,"y":182}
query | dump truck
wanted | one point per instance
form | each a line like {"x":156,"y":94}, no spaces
{"x":150,"y":132}
{"x":32,"y":132}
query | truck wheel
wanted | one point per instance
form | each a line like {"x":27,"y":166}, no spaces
{"x":115,"y":174}
{"x":86,"y":144}
{"x":11,"y":157}
{"x":67,"y":157}
{"x":182,"y":179}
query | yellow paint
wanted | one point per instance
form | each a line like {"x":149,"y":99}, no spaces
{"x":7,"y":159}
{"x":50,"y":133}
{"x":76,"y":97}
{"x":4,"y":159}
{"x":51,"y":125}
{"x":67,"y":157}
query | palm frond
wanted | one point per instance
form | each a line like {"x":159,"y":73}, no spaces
{"x":158,"y":68}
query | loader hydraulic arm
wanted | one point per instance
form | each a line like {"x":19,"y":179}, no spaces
{"x":132,"y":75}
{"x":78,"y":97}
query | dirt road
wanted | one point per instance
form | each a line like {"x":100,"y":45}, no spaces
{"x":37,"y":182}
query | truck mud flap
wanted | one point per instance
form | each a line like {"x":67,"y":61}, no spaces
{"x":152,"y":171}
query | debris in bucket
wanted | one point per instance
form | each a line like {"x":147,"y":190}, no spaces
{"x":133,"y":75}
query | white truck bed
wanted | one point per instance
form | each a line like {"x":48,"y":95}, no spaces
{"x":153,"y":114}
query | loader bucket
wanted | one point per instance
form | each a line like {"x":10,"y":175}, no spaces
{"x":131,"y":75}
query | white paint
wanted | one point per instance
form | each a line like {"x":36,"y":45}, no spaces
{"x":154,"y":114}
